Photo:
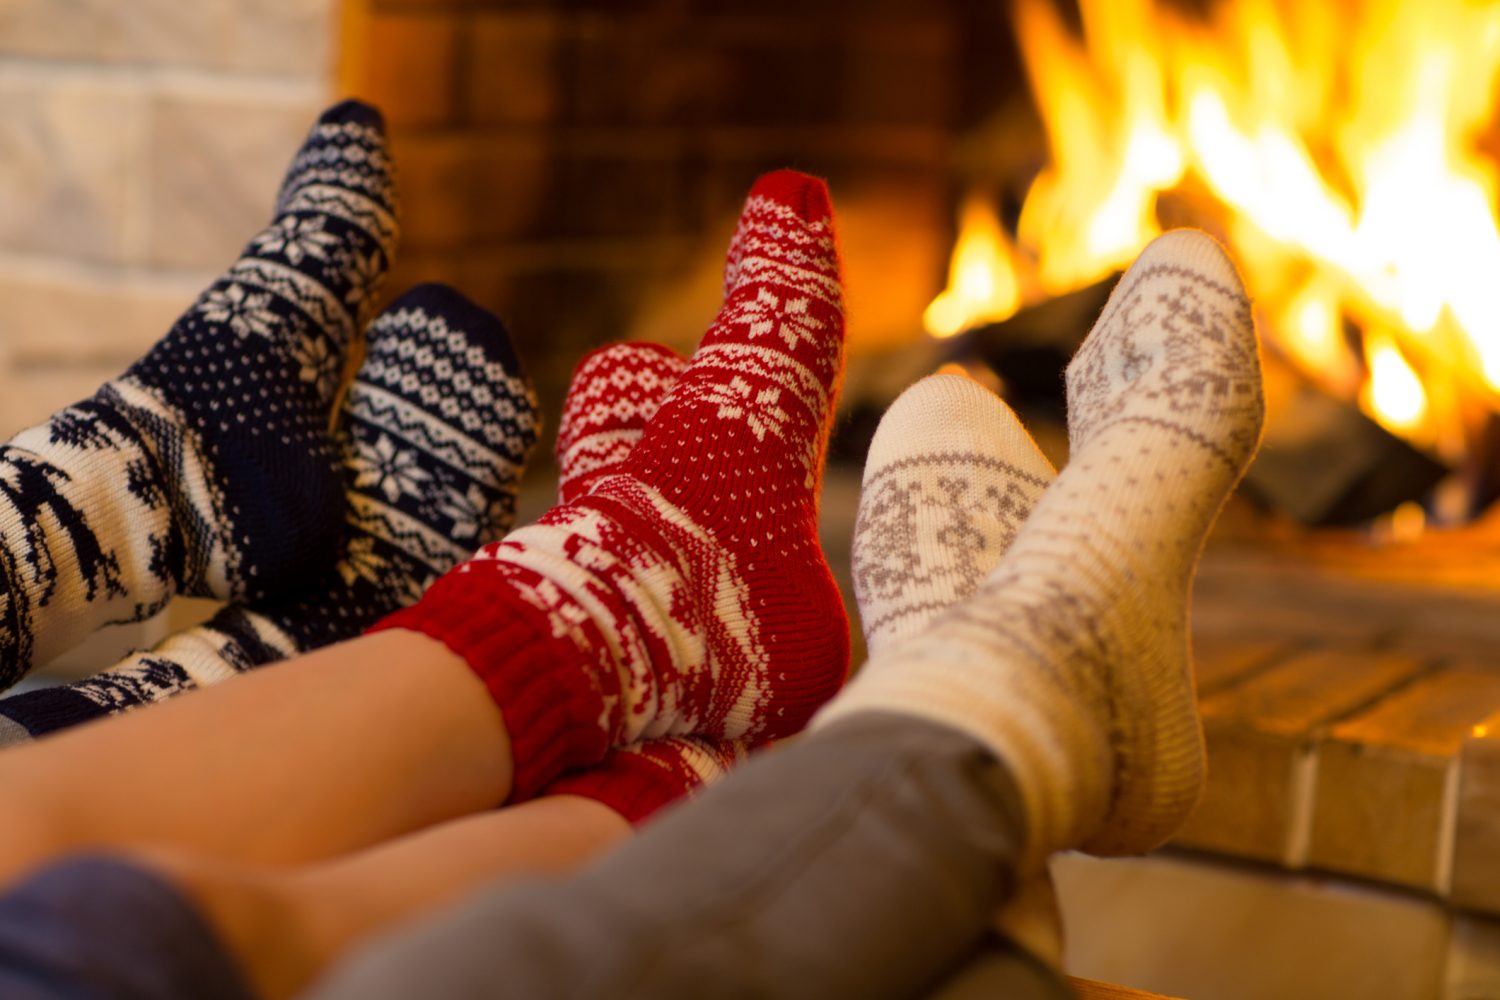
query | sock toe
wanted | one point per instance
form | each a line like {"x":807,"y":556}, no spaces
{"x":802,"y":193}
{"x":354,"y":112}
{"x":950,"y":477}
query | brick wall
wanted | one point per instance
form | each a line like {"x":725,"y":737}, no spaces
{"x":140,"y":145}
{"x":577,"y":164}
{"x":574,"y":164}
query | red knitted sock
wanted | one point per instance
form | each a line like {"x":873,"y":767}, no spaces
{"x":616,"y":390}
{"x":638,"y":780}
{"x":686,"y":593}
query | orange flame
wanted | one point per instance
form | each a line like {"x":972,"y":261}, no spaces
{"x":1342,"y":144}
{"x":982,"y":282}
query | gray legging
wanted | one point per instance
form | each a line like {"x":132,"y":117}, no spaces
{"x":867,"y":860}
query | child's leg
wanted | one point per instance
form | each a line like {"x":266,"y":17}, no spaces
{"x":284,"y":928}
{"x":336,"y":750}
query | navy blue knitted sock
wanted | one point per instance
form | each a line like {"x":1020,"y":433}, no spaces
{"x":207,"y":468}
{"x":435,"y":432}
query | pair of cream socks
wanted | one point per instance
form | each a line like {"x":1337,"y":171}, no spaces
{"x":1047,"y":617}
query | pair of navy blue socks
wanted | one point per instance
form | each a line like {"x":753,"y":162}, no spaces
{"x":209,"y":468}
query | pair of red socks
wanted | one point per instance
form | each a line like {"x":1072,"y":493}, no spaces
{"x":676,"y":604}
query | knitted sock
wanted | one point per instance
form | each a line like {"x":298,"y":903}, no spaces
{"x":950,"y":477}
{"x":435,"y":432}
{"x":1071,"y":659}
{"x":616,"y":391}
{"x":687,"y":593}
{"x":207,"y":468}
{"x":639,"y":780}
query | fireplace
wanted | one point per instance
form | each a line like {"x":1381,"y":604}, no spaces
{"x":576,"y":165}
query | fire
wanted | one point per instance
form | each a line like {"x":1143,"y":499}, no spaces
{"x":1341,"y":147}
{"x":983,"y":286}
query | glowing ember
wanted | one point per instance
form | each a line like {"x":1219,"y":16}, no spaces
{"x":1341,"y":145}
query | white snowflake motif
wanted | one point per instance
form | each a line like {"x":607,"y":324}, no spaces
{"x":317,"y":363}
{"x":767,"y":313}
{"x":364,"y":274}
{"x":296,"y":238}
{"x":246,"y":313}
{"x":473,"y":514}
{"x":389,"y":469}
{"x":739,"y":401}
{"x":361,"y":562}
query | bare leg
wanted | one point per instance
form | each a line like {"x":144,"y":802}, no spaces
{"x":300,"y":761}
{"x":286,"y":926}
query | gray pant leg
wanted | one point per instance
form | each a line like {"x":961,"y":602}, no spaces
{"x":864,"y":861}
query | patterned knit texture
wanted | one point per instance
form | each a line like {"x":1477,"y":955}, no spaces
{"x":615,"y":392}
{"x":434,"y":434}
{"x":687,"y":593}
{"x":207,"y":468}
{"x":1071,"y":659}
{"x":950,"y":477}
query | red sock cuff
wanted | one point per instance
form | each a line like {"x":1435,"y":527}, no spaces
{"x":632,"y":784}
{"x":545,"y":685}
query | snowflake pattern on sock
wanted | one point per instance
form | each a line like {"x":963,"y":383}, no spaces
{"x":207,"y":467}
{"x":688,"y":593}
{"x":614,"y":393}
{"x":435,"y":433}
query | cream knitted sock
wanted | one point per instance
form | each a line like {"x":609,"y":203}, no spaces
{"x":950,"y":477}
{"x":1071,"y":659}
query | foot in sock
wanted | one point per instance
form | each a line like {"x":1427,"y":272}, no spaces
{"x":1071,"y":659}
{"x":435,"y":432}
{"x":686,"y":593}
{"x":615,"y":392}
{"x":207,"y":468}
{"x":950,"y":477}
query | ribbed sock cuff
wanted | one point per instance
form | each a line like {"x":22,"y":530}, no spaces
{"x":46,"y":710}
{"x":546,"y":685}
{"x":632,"y":785}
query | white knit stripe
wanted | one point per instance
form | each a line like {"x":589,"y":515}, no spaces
{"x":700,"y":758}
{"x":217,"y":561}
{"x":757,"y":270}
{"x":302,"y":291}
{"x":366,"y":212}
{"x":598,"y":451}
{"x":735,"y":621}
{"x":431,"y":548}
{"x":771,"y":365}
{"x":381,"y":408}
{"x":567,"y":595}
{"x":50,"y":585}
{"x":206,"y":655}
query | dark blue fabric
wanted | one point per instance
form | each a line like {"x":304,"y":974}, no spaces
{"x":101,"y":929}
